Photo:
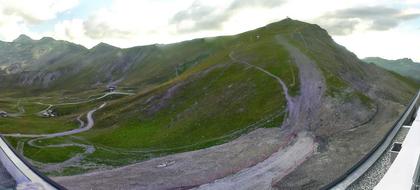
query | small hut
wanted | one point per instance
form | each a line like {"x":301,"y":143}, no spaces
{"x":111,"y":88}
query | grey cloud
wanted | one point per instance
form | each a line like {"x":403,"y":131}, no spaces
{"x":17,"y":12}
{"x":379,"y":18}
{"x":384,"y":24}
{"x":205,"y":17}
{"x":366,"y":12}
{"x":101,"y":30}
{"x":238,"y":4}
{"x":342,"y":28}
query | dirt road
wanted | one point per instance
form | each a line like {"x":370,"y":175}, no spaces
{"x":88,"y":126}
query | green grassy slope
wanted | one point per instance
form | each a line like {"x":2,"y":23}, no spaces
{"x":213,"y":98}
{"x":190,"y":94}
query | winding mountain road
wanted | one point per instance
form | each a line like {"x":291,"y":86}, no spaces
{"x":20,"y":113}
{"x":85,"y":101}
{"x":88,"y":149}
{"x":82,"y":128}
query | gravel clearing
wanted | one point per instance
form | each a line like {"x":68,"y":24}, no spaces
{"x":189,"y":169}
{"x":262,"y":175}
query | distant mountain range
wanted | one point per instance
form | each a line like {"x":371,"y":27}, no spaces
{"x":405,"y":67}
{"x":49,"y":64}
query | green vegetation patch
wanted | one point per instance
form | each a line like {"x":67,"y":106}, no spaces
{"x":264,"y":52}
{"x":35,"y":125}
{"x":220,"y":101}
{"x":51,"y":155}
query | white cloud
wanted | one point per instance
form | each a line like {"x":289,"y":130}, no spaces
{"x":393,"y":44}
{"x":204,"y":16}
{"x":35,"y":11}
{"x":346,"y":21}
{"x":71,"y":30}
{"x":130,"y":23}
{"x":17,"y":15}
{"x":127,"y":23}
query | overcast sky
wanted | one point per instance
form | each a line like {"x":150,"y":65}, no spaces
{"x":385,"y":28}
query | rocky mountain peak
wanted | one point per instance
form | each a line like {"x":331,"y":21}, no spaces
{"x":23,"y":39}
{"x":103,"y":47}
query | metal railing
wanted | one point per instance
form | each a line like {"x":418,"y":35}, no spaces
{"x":416,"y":177}
{"x":22,"y":171}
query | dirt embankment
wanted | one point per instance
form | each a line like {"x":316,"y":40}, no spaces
{"x":188,"y":169}
{"x":348,"y":127}
{"x":340,"y":151}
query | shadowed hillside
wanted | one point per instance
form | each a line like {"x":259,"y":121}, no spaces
{"x":405,"y":67}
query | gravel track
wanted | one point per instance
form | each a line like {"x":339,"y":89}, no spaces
{"x":312,"y":88}
{"x":281,"y":163}
{"x":278,"y":165}
{"x":87,"y":127}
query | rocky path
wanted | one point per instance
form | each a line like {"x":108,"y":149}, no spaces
{"x":281,"y":163}
{"x":262,"y":175}
{"x":312,"y":88}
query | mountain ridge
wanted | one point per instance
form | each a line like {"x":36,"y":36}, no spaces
{"x":404,"y":66}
